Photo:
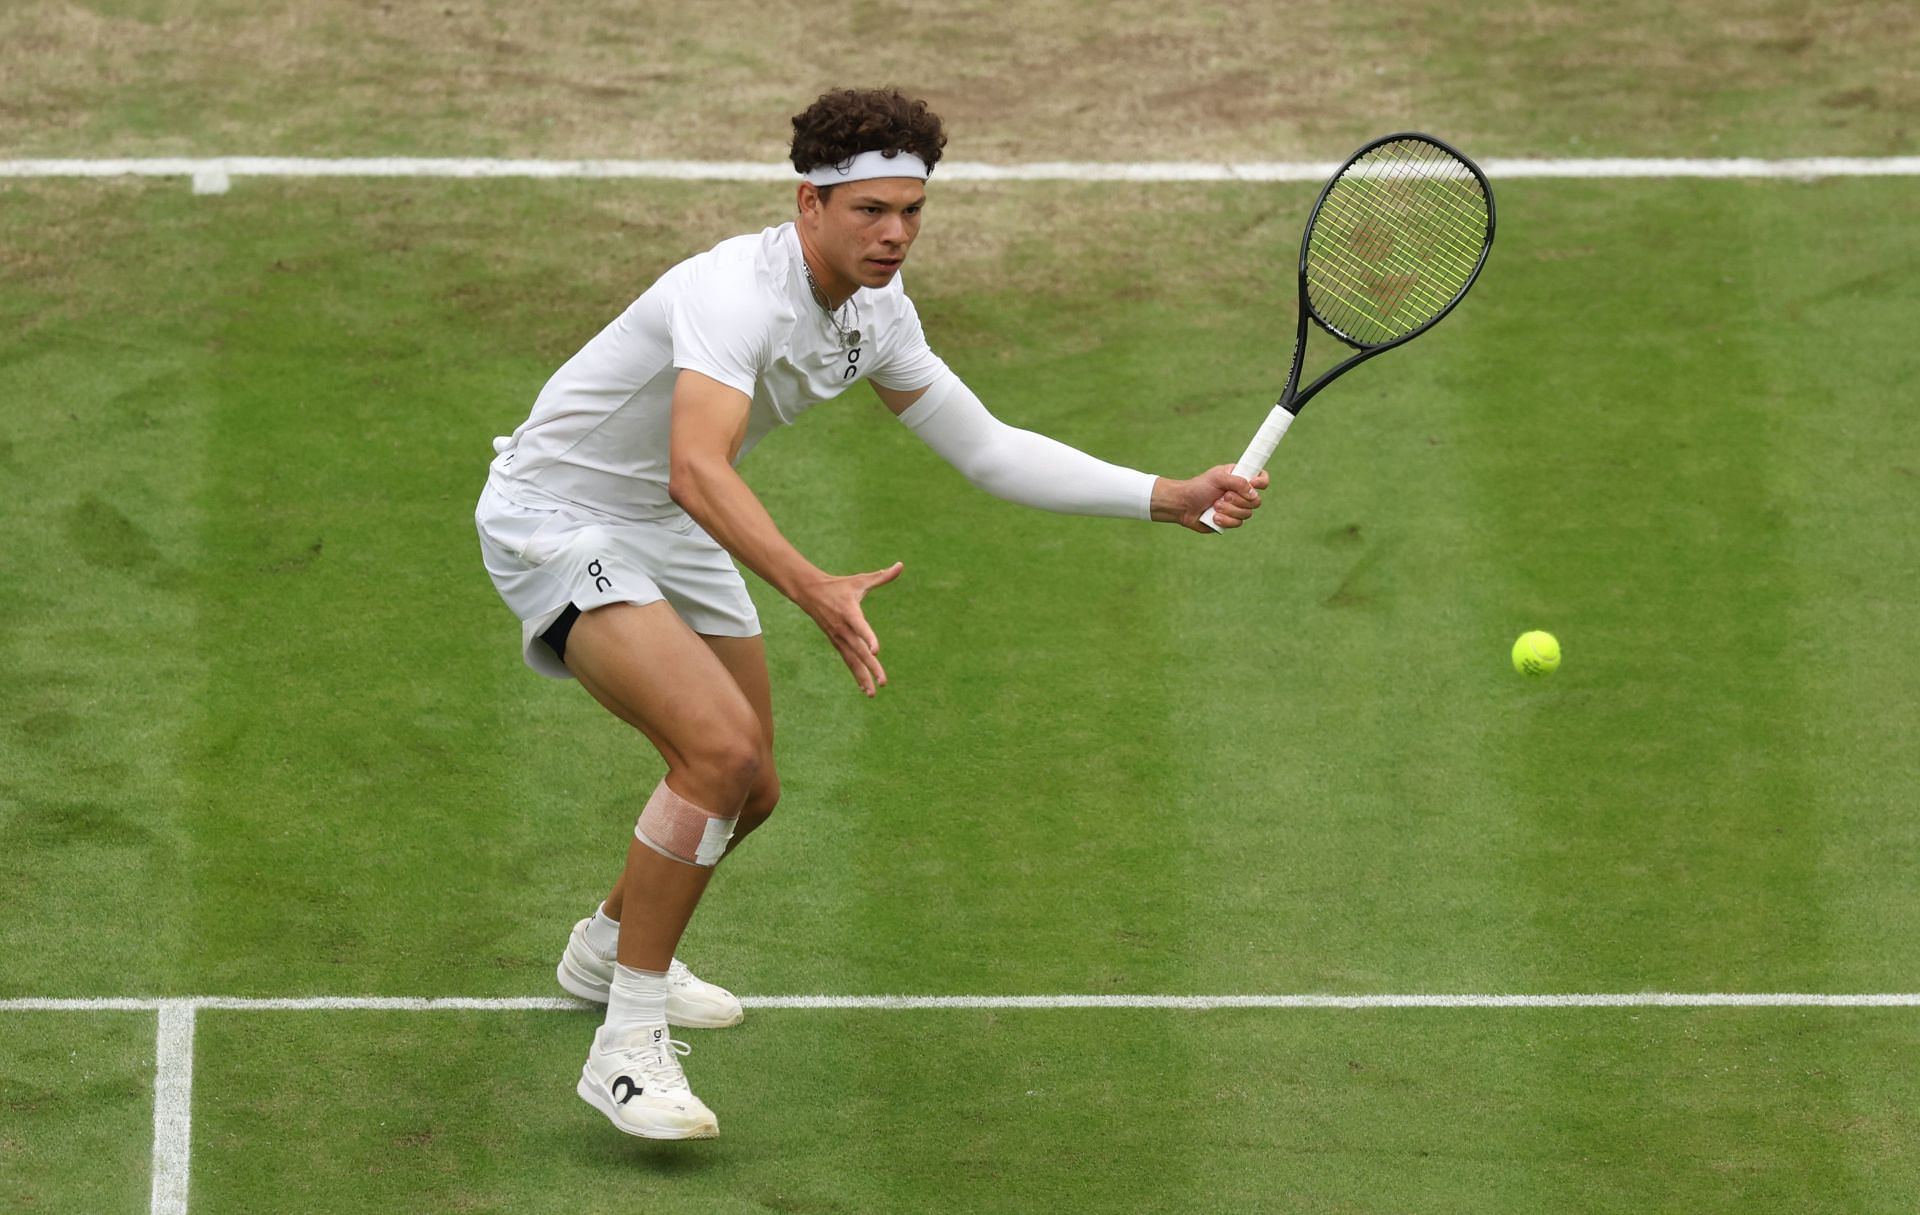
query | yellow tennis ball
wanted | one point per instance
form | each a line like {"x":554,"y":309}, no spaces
{"x":1536,"y":653}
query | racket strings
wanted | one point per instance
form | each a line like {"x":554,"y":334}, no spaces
{"x":1391,"y":167}
{"x":1396,"y":241}
{"x":1447,"y":197}
{"x":1392,"y":253}
{"x":1393,"y":261}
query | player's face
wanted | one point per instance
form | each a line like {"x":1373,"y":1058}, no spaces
{"x":862,"y":230}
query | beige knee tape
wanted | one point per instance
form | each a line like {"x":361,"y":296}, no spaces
{"x":673,"y":826}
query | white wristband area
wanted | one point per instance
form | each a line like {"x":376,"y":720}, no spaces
{"x":1019,"y":465}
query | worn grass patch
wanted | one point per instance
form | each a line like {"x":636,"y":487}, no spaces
{"x":1052,"y":81}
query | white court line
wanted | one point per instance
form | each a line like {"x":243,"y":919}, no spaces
{"x":113,"y":1004}
{"x":1636,"y":999}
{"x":210,"y":174}
{"x":1203,"y":1003}
{"x":172,"y":1107}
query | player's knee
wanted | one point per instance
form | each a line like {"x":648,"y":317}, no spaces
{"x":766,"y":794}
{"x":728,"y":763}
{"x":761,"y":800}
{"x":678,"y":827}
{"x":738,"y":764}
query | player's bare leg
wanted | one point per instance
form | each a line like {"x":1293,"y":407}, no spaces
{"x":586,"y":968}
{"x":746,"y":660}
{"x":649,"y":669}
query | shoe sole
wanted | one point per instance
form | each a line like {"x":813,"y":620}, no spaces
{"x":590,"y":1093}
{"x":577,"y":987}
{"x":686,"y":1022}
{"x":583,"y":989}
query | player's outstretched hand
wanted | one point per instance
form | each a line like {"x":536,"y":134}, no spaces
{"x":1232,"y":498}
{"x":834,"y":604}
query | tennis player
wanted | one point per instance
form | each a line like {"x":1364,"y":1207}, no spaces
{"x":612,"y":518}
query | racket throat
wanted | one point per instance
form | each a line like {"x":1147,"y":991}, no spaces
{"x":1286,"y":400}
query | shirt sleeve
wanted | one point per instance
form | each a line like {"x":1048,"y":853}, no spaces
{"x":1022,"y":466}
{"x":722,"y":328}
{"x":906,"y":362}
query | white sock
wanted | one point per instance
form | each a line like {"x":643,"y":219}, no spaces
{"x":636,"y":999}
{"x":603,"y":934}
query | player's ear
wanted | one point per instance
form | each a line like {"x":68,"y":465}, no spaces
{"x":808,"y":199}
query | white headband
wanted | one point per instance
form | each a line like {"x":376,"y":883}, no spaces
{"x":867,"y":166}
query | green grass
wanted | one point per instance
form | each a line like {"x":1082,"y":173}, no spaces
{"x":1084,"y":1111}
{"x":76,"y":1111}
{"x":268,"y":734}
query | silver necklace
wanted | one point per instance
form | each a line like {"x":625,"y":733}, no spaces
{"x":849,"y":330}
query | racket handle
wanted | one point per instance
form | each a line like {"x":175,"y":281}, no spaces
{"x":1258,"y":451}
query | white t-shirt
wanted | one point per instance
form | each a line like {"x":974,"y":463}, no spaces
{"x":742,"y":312}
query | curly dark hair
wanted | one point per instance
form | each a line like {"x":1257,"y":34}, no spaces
{"x":840,"y":125}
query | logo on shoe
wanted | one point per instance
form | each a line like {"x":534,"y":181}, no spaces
{"x":633,"y":1090}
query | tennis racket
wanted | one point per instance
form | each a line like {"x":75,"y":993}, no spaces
{"x":1394,"y":241}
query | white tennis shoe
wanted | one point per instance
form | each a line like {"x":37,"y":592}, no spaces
{"x":692,"y":1002}
{"x":636,"y":1081}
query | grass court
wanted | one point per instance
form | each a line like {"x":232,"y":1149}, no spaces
{"x":266,"y":732}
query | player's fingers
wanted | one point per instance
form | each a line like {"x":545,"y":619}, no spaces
{"x":1260,"y":479}
{"x":1238,"y":487}
{"x":873,"y":675}
{"x":857,"y":664}
{"x":866,"y":648}
{"x":853,"y":634}
{"x":1229,"y":509}
{"x":880,"y":577}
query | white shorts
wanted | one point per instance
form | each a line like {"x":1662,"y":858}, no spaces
{"x":541,"y":560}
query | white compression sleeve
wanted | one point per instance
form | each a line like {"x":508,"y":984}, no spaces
{"x":1019,"y":465}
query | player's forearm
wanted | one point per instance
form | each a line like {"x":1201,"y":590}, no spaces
{"x":721,"y":502}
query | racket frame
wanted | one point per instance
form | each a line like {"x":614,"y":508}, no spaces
{"x":1281,"y":416}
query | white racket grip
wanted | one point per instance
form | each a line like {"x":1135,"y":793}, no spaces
{"x":1255,"y":458}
